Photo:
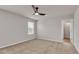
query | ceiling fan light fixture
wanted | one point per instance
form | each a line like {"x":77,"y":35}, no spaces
{"x":36,"y":13}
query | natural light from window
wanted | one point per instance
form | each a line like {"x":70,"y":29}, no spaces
{"x":30,"y":28}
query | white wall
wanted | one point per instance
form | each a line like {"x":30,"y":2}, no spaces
{"x":13,"y":29}
{"x":51,"y":29}
{"x":76,"y":29}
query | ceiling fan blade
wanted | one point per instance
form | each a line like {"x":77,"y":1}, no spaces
{"x":42,"y":14}
{"x":34,"y":8}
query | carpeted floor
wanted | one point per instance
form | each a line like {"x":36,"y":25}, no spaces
{"x":38,"y":46}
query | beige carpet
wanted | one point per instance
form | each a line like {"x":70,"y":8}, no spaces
{"x":38,"y":46}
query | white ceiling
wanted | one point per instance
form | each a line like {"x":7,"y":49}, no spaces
{"x":50,"y":10}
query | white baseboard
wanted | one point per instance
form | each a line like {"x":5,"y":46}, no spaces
{"x":50,"y":40}
{"x":75,"y":47}
{"x":15,"y":43}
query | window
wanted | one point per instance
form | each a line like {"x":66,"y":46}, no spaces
{"x":30,"y":28}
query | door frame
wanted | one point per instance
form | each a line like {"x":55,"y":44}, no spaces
{"x":71,"y":30}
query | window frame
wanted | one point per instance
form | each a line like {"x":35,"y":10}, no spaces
{"x":30,"y":27}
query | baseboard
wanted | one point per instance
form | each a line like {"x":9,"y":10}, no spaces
{"x":77,"y":50}
{"x":15,"y":43}
{"x":75,"y":47}
{"x":51,"y":40}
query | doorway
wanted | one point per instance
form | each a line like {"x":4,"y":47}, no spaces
{"x":67,"y":31}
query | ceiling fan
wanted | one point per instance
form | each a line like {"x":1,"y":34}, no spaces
{"x":36,"y":12}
